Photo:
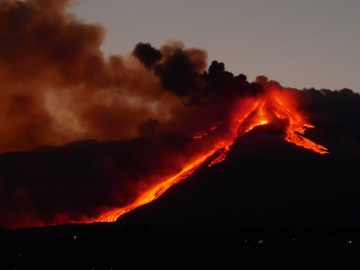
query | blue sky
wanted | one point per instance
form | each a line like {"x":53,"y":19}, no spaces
{"x":301,"y":43}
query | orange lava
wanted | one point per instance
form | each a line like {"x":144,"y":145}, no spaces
{"x":156,"y":191}
{"x":273,"y":105}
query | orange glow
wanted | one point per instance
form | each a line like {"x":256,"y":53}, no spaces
{"x":201,"y":134}
{"x":296,"y":127}
{"x":273,"y":105}
{"x":156,"y":191}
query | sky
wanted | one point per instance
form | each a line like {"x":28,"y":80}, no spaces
{"x":300,"y":43}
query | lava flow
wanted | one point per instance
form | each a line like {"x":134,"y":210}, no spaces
{"x":273,"y":105}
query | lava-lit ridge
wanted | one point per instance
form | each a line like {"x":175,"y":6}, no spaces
{"x":273,"y":105}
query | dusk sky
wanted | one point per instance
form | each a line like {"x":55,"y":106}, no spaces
{"x":307,"y":43}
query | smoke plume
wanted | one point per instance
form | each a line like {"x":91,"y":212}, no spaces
{"x":57,"y":86}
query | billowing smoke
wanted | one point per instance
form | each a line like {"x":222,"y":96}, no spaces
{"x":57,"y":87}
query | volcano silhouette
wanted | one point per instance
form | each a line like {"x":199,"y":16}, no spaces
{"x":264,"y":184}
{"x":265,"y":188}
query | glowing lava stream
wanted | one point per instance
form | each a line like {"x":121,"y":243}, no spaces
{"x":157,"y":190}
{"x":255,"y":112}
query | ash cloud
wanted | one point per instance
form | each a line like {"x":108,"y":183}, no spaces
{"x":58,"y":86}
{"x":147,"y":54}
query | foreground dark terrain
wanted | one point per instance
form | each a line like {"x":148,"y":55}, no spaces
{"x":105,"y":246}
{"x":269,"y":198}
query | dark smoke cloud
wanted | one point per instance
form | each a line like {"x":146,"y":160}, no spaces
{"x":57,"y":86}
{"x":180,"y":69}
{"x":147,"y":54}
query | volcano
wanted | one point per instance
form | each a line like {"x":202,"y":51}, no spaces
{"x":265,"y":184}
{"x":127,"y":184}
{"x":88,"y":137}
{"x":266,"y":188}
{"x":102,"y":150}
{"x":272,"y":106}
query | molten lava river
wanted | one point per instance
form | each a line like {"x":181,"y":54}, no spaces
{"x":273,"y":105}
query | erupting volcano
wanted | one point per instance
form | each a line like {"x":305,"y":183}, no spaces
{"x":113,"y":141}
{"x":88,"y":137}
{"x":271,"y":106}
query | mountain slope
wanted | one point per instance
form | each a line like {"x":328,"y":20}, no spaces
{"x":266,"y":184}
